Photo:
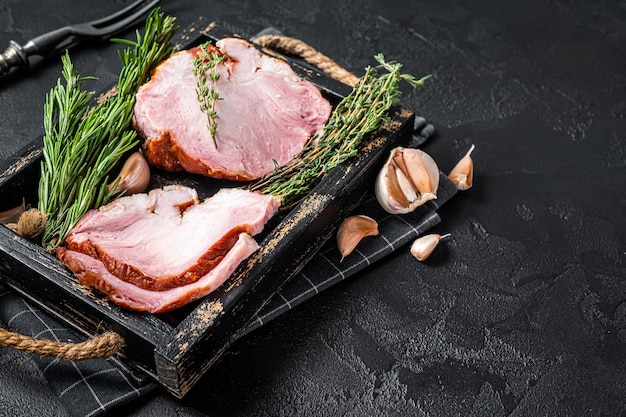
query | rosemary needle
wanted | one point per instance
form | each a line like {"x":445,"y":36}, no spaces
{"x":82,"y":144}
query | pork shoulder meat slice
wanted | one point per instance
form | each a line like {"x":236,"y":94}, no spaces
{"x":266,"y":114}
{"x":93,"y":273}
{"x":166,"y":238}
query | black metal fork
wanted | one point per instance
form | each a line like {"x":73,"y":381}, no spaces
{"x":68,"y":36}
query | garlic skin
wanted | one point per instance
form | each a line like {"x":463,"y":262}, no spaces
{"x":352,"y":230}
{"x":423,"y":246}
{"x":409,"y":178}
{"x":134,"y":176}
{"x":462,"y":175}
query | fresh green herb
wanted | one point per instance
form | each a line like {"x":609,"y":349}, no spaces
{"x":143,"y":54}
{"x":206,"y":91}
{"x":81,"y":143}
{"x":75,"y":161}
{"x":73,"y":100}
{"x":358,"y":114}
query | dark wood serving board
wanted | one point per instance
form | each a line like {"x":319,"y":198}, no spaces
{"x":177,"y":348}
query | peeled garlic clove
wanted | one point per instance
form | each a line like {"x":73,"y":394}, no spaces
{"x":423,"y":246}
{"x":409,"y":178}
{"x":134,"y":176}
{"x":462,"y":175}
{"x":12,"y":215}
{"x":352,"y":230}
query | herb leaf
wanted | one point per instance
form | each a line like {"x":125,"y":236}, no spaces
{"x":81,"y":143}
{"x":358,"y":114}
{"x":206,"y":91}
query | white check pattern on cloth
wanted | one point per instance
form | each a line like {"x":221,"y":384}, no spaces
{"x":327,"y":268}
{"x":93,"y":388}
{"x":86,"y":388}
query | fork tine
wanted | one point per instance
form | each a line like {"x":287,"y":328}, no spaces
{"x":123,"y":15}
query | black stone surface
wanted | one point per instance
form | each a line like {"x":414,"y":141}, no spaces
{"x":521,"y":312}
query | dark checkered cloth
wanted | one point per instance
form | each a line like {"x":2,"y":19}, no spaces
{"x":91,"y":388}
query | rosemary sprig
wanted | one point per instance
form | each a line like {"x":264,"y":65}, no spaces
{"x":81,"y":143}
{"x":206,"y":91}
{"x":144,"y":53}
{"x":358,"y":114}
{"x":60,"y":124}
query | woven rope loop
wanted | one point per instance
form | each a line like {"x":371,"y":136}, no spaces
{"x":299,"y":48}
{"x":100,"y":347}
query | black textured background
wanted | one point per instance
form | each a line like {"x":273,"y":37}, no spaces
{"x":522,"y":311}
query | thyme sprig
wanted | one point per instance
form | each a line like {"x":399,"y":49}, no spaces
{"x":358,"y":114}
{"x":206,"y":91}
{"x":82,"y":144}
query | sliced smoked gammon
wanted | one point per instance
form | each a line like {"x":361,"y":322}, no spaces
{"x":164,"y":239}
{"x":265,"y":114}
{"x":93,"y":273}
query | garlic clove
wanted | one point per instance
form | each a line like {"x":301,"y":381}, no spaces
{"x":134,"y":176}
{"x":423,"y":171}
{"x":397,"y":156}
{"x":12,"y":215}
{"x":394,"y":187}
{"x":423,"y":246}
{"x":462,"y":175}
{"x":352,"y":230}
{"x":409,"y":178}
{"x":406,"y":186}
{"x":388,"y":191}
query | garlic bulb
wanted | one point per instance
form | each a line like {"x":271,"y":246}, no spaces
{"x":423,"y":246}
{"x":134,"y":176}
{"x":462,"y":175}
{"x":409,"y":178}
{"x":352,"y":230}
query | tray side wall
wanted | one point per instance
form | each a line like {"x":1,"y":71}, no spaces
{"x":205,"y":334}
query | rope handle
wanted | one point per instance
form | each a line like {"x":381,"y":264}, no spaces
{"x":309,"y":54}
{"x":100,"y":347}
{"x":110,"y":343}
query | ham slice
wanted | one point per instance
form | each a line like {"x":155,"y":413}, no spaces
{"x":166,"y":238}
{"x":92,"y":272}
{"x":266,"y":114}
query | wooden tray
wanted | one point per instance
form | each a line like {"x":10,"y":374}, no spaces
{"x":177,"y":348}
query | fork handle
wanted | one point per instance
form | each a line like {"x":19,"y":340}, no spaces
{"x":13,"y":56}
{"x":17,"y":55}
{"x":51,"y":42}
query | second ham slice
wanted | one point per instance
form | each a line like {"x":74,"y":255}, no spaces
{"x":93,"y":273}
{"x":167,"y":238}
{"x":265,"y":114}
